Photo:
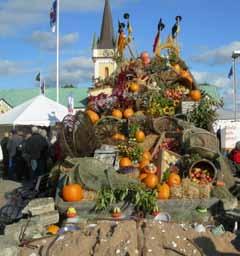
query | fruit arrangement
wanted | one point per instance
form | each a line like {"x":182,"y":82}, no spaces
{"x":201,"y":176}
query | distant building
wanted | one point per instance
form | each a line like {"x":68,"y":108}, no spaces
{"x":104,"y":47}
{"x":11,"y":98}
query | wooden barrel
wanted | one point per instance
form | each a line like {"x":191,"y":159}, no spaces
{"x":203,"y":164}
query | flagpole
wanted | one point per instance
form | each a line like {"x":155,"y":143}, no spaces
{"x":57,"y":71}
{"x":234,"y":88}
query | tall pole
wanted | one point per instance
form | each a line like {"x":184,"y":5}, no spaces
{"x":57,"y":71}
{"x":235,"y":88}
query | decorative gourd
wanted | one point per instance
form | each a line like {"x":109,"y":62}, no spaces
{"x":128,"y":113}
{"x":163,"y":191}
{"x":72,"y":193}
{"x":125,"y":162}
{"x":151,"y":181}
{"x":195,"y":95}
{"x":143,"y":163}
{"x":150,"y":169}
{"x":140,"y":136}
{"x":94,"y":117}
{"x":53,"y":229}
{"x":117,"y":113}
{"x":134,"y":87}
{"x":71,"y":212}
{"x":174,"y":179}
{"x":116,"y":212}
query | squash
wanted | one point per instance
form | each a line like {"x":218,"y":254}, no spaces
{"x":72,"y":193}
{"x":125,"y":162}
{"x":140,"y":136}
{"x":71,"y":212}
{"x":117,"y":113}
{"x":163,"y":191}
{"x":53,"y":229}
{"x":151,"y":181}
{"x":134,"y":87}
{"x":128,"y":113}
{"x":195,"y":95}
{"x":174,"y":180}
{"x":94,"y":117}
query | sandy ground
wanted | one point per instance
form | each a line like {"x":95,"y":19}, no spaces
{"x":129,"y":238}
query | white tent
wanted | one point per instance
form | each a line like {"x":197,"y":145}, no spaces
{"x":39,"y":111}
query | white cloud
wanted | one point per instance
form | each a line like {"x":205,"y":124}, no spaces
{"x":8,"y":68}
{"x":47,"y":40}
{"x":218,"y":56}
{"x":17,"y":14}
{"x":73,"y":71}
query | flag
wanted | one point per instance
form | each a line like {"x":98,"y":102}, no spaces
{"x":230,"y":73}
{"x":37,"y":78}
{"x":53,"y":16}
{"x":70,"y":103}
{"x":176,"y":27}
{"x":42,"y":86}
{"x":157,"y":38}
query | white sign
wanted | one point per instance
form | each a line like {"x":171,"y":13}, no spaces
{"x":188,"y":106}
{"x":230,"y":134}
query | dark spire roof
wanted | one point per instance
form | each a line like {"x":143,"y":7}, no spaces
{"x":107,"y":34}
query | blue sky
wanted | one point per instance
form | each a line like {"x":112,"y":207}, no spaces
{"x":209,"y":33}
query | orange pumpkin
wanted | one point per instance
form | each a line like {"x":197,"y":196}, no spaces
{"x":147,"y":155}
{"x":53,"y":229}
{"x":125,"y":162}
{"x":163,"y":191}
{"x":143,"y":163}
{"x":134,"y":87}
{"x":72,"y":193}
{"x":195,"y":95}
{"x":151,"y":181}
{"x":140,"y":136}
{"x":128,"y":112}
{"x":174,"y":179}
{"x":117,"y":113}
{"x":94,"y":117}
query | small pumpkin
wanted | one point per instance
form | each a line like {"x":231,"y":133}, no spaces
{"x":128,"y":113}
{"x":134,"y":87}
{"x":143,"y":163}
{"x":53,"y":229}
{"x":117,"y":113}
{"x":150,"y":169}
{"x":118,"y":136}
{"x":125,"y":162}
{"x":94,"y":117}
{"x":195,"y":95}
{"x":140,"y":136}
{"x":72,"y":193}
{"x":174,"y":179}
{"x":151,"y":181}
{"x":147,"y":155}
{"x":116,"y":212}
{"x":163,"y":191}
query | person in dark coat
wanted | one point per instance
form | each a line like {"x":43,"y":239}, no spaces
{"x":12,"y":145}
{"x":36,"y":147}
{"x":4,"y":143}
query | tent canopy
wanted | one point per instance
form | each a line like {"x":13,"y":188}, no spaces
{"x":39,"y":111}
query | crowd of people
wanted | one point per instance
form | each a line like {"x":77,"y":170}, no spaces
{"x":26,"y":154}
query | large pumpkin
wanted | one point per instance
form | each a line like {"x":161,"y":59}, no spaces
{"x":125,"y":162}
{"x":195,"y":95}
{"x":94,"y":117}
{"x":151,"y":181}
{"x":128,"y":112}
{"x":174,"y":179}
{"x":117,"y":113}
{"x":163,"y":191}
{"x":72,"y":193}
{"x":140,"y":136}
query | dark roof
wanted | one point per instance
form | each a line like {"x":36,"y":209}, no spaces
{"x":106,"y":40}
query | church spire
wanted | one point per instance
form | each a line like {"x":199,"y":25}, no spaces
{"x":107,"y":34}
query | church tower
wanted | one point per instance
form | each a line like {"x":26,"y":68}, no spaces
{"x":104,"y":47}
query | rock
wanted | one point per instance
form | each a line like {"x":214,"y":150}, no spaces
{"x":39,"y":206}
{"x":230,"y":204}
